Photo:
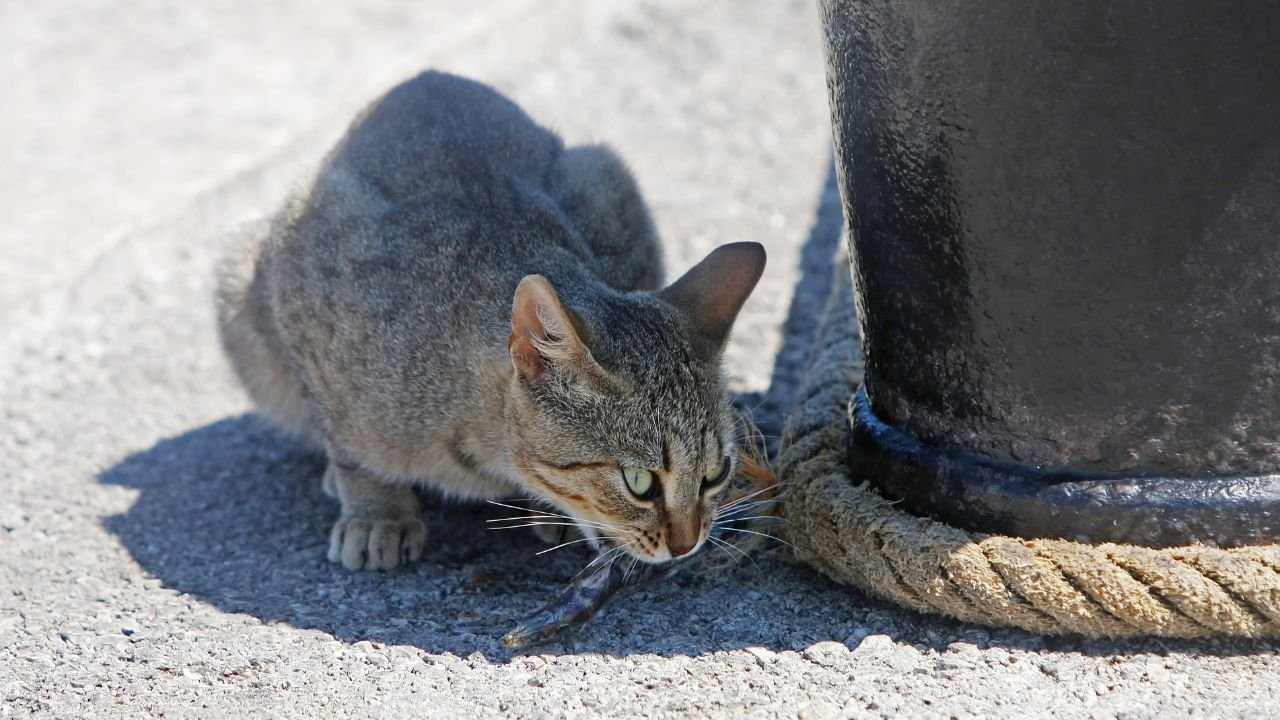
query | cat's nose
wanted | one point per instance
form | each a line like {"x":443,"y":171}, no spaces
{"x":678,"y":548}
{"x":682,"y":535}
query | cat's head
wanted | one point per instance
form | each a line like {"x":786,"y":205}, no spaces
{"x":618,"y":412}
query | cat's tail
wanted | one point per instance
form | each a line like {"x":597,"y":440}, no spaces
{"x":249,"y":335}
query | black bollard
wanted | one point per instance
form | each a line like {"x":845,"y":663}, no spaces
{"x":1064,"y":223}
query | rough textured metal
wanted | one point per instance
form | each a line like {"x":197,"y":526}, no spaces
{"x":1065,"y":229}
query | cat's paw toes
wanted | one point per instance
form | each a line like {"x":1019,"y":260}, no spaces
{"x":376,"y":544}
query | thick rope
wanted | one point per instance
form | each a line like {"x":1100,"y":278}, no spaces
{"x":841,"y":526}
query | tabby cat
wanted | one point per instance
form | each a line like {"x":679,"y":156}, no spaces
{"x":458,"y":300}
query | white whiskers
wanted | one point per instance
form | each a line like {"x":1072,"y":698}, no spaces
{"x":763,"y":535}
{"x":543,"y":517}
{"x":574,"y":542}
{"x":736,"y":518}
{"x":739,"y":501}
{"x":627,"y":574}
{"x":607,"y":558}
{"x":729,"y":549}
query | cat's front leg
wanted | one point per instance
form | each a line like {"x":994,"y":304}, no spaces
{"x":381,"y":523}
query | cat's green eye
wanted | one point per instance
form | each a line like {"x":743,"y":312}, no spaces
{"x":716,"y":477}
{"x":640,"y":482}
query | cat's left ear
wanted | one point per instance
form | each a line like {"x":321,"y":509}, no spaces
{"x":713,"y":291}
{"x":546,"y":338}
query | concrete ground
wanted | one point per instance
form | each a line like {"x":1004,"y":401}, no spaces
{"x":161,"y":552}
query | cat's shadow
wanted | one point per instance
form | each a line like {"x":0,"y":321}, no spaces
{"x":232,"y":514}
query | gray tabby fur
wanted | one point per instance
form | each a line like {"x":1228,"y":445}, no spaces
{"x":459,"y":301}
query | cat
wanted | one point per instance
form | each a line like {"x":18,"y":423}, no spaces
{"x":460,"y":301}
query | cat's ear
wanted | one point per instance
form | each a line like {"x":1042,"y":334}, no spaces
{"x":713,"y":291}
{"x":545,"y":335}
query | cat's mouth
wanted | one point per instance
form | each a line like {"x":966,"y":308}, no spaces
{"x":640,"y":548}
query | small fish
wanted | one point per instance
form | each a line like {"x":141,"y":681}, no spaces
{"x":580,"y":602}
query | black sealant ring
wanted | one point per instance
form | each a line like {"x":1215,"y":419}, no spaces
{"x":993,"y":496}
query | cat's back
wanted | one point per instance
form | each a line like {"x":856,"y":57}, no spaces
{"x":432,"y":184}
{"x":433,"y":132}
{"x":392,"y":278}
{"x":385,"y":289}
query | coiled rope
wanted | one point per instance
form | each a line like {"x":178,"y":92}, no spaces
{"x":841,"y":526}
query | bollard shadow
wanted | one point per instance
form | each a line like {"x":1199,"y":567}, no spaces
{"x":817,"y":266}
{"x":232,"y":515}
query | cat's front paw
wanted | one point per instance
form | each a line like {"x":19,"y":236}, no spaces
{"x":364,"y":543}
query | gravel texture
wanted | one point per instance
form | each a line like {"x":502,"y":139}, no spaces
{"x":161,"y":552}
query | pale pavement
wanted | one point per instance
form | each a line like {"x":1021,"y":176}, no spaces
{"x":161,"y":554}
